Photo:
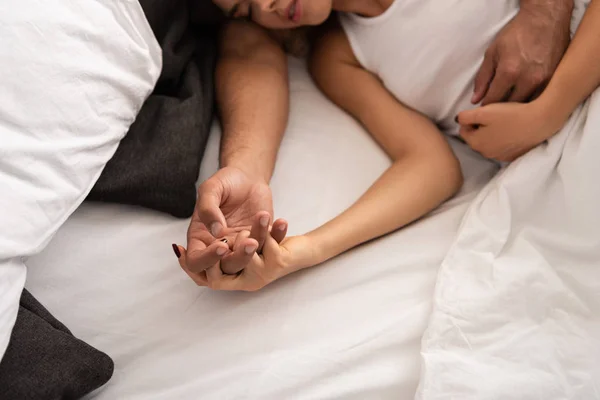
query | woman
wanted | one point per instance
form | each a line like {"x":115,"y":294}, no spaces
{"x":367,"y":67}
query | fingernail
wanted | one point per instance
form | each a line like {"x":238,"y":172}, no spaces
{"x":282,"y":227}
{"x":176,"y":250}
{"x":264,"y":221}
{"x":221,"y":251}
{"x":215,"y":229}
{"x":250,"y":249}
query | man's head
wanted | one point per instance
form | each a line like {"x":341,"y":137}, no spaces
{"x":278,"y":14}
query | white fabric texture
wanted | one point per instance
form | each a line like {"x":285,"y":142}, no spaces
{"x":349,"y":329}
{"x":517,"y":303}
{"x":74,"y":75}
{"x":427,"y":52}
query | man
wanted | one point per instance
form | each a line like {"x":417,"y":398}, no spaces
{"x":252,"y":96}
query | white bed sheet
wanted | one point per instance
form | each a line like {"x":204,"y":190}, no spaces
{"x":349,"y":329}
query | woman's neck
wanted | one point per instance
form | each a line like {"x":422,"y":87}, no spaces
{"x":364,"y":8}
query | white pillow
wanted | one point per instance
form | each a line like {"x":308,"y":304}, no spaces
{"x":74,"y":76}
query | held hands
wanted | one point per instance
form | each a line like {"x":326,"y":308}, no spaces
{"x":276,"y":261}
{"x":231,"y":242}
{"x":228,"y":203}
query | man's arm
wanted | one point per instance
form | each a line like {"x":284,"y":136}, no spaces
{"x":253,"y":98}
{"x":525,"y":53}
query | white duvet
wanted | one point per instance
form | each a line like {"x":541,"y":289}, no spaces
{"x":517,"y":301}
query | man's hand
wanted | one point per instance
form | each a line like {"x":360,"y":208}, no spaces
{"x":228,"y":203}
{"x":525,"y":53}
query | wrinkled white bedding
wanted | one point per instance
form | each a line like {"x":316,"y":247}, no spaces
{"x":517,"y":302}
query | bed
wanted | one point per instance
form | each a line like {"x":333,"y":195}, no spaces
{"x":349,"y":329}
{"x":495,"y":295}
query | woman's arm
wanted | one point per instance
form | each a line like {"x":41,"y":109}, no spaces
{"x":424,"y":173}
{"x":578,"y":74}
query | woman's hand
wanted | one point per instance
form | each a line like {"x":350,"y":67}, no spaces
{"x":506,"y":131}
{"x":276,"y":261}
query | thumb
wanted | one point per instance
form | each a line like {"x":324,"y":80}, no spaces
{"x":271,"y":247}
{"x":483,"y":79}
{"x":475,"y":117}
{"x":279,"y":230}
{"x":210,"y":195}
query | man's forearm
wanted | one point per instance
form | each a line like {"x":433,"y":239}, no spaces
{"x":253,"y":99}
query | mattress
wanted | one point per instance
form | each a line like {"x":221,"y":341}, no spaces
{"x":350,"y":328}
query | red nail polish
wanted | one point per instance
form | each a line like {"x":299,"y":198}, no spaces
{"x":176,"y":250}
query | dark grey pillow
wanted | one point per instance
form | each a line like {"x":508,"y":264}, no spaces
{"x":45,"y":361}
{"x":156,"y":165}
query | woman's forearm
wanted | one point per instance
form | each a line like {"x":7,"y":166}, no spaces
{"x":253,"y":99}
{"x":578,"y":74}
{"x":414,"y":185}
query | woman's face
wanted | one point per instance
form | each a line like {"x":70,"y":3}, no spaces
{"x":278,"y":14}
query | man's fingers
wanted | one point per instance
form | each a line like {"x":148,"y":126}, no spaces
{"x":208,"y":205}
{"x":522,"y":92}
{"x":243,"y":250}
{"x":502,"y":85}
{"x":260,"y":228}
{"x":279,"y":230}
{"x":483,"y":78}
{"x":200,"y":260}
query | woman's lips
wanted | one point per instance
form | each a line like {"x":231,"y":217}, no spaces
{"x":295,"y":11}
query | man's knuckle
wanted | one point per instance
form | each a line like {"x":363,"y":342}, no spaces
{"x":510,"y":70}
{"x":538,"y":78}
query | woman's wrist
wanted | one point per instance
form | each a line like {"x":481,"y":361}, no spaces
{"x":324,"y":248}
{"x":552,"y":109}
{"x":302,"y":252}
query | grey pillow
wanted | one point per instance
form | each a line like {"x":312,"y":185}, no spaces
{"x":45,"y":361}
{"x":156,"y":165}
